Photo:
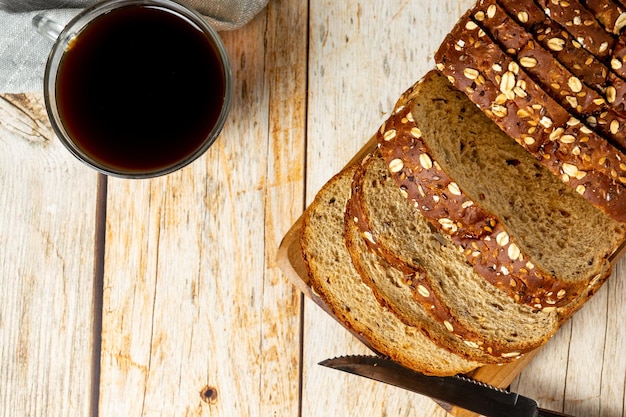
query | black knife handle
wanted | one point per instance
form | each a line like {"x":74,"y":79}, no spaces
{"x":548,"y":413}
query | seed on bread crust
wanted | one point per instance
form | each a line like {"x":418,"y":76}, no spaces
{"x":390,"y":134}
{"x":423,"y":291}
{"x":471,"y":73}
{"x":425,"y":161}
{"x":556,"y":44}
{"x":396,"y":165}
{"x":502,"y":238}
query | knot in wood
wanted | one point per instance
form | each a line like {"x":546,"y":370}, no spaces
{"x":209,"y":394}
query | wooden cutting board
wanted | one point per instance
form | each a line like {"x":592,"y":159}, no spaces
{"x":292,"y":265}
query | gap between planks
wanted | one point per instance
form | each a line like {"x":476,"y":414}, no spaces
{"x":98,"y":289}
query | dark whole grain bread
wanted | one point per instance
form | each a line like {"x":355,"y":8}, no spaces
{"x":567,"y":147}
{"x":483,"y":317}
{"x":611,"y":17}
{"x":559,"y":82}
{"x":582,"y":24}
{"x":333,"y":277}
{"x":555,"y":38}
{"x":485,"y":241}
{"x":586,"y":21}
{"x":607,"y":13}
{"x":553,"y":226}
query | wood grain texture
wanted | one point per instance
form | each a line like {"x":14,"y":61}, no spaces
{"x":47,"y":225}
{"x":198,"y":319}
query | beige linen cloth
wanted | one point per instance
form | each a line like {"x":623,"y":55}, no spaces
{"x":23,"y":51}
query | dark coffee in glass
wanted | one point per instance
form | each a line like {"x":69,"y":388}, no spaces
{"x":140,"y":90}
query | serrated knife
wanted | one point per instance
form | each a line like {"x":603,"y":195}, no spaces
{"x":459,"y":391}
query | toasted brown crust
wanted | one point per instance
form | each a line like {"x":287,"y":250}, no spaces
{"x":607,"y":13}
{"x":568,"y":51}
{"x":618,"y":60}
{"x":610,"y":16}
{"x":581,"y":23}
{"x":568,"y":148}
{"x":563,"y":86}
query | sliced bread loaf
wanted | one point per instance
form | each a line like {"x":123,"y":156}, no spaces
{"x":552,"y":225}
{"x":568,"y":50}
{"x":559,"y":82}
{"x":611,"y":17}
{"x":562,"y":143}
{"x":607,"y":13}
{"x":581,"y":23}
{"x":333,"y":277}
{"x":597,"y":25}
{"x":482,"y":316}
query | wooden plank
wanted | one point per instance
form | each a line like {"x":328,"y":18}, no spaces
{"x":362,"y":56}
{"x":47,"y":226}
{"x":613,"y":388}
{"x":197,"y":319}
{"x":285,"y":63}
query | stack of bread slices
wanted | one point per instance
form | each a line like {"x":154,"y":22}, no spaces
{"x":488,"y":212}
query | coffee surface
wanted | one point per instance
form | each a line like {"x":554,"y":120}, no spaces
{"x":140,"y":88}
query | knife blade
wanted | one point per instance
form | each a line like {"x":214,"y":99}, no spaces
{"x":459,"y":391}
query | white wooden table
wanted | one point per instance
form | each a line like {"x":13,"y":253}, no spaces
{"x":162,"y":297}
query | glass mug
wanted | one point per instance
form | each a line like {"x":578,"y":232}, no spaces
{"x":136,"y":88}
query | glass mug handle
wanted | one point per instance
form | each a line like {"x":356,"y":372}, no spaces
{"x":47,"y":27}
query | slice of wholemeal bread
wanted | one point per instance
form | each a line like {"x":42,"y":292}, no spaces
{"x":583,"y":160}
{"x":553,"y":225}
{"x":333,"y":277}
{"x":486,"y":242}
{"x":481,"y":316}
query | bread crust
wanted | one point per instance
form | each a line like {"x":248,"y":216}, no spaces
{"x":572,"y":93}
{"x":586,"y":20}
{"x":611,"y":17}
{"x":582,"y":24}
{"x":568,"y":51}
{"x":486,"y":243}
{"x":607,"y":13}
{"x":568,"y":148}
